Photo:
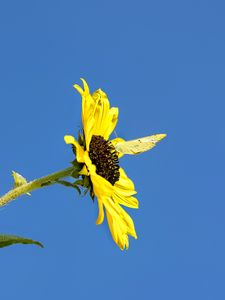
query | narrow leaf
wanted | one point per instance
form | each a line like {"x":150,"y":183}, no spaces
{"x":65,"y":183}
{"x":85,"y":192}
{"x":77,"y":188}
{"x":7,"y":240}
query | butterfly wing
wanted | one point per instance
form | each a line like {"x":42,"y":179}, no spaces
{"x":140,"y":145}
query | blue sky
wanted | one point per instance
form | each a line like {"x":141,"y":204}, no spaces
{"x":162,"y":63}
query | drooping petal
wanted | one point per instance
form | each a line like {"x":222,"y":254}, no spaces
{"x":129,"y":201}
{"x":101,"y":187}
{"x":124,"y":186}
{"x":79,"y":150}
{"x":100,"y":217}
{"x":120,"y":223}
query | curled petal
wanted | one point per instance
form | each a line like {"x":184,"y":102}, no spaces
{"x":86,"y":87}
{"x":79,"y":150}
{"x":79,"y":89}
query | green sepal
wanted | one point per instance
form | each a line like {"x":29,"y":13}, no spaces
{"x":86,"y":184}
{"x":75,"y":174}
{"x":92,"y":195}
{"x":81,"y":139}
{"x":7,"y":240}
{"x":86,"y":181}
{"x":79,"y":182}
{"x":77,"y":168}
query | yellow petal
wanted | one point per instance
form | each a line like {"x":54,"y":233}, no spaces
{"x":79,"y":150}
{"x":113,"y":229}
{"x":97,"y":116}
{"x":101,"y":113}
{"x":124,"y":186}
{"x":86,"y":87}
{"x":116,"y":141}
{"x":120,"y":223}
{"x":88,"y":108}
{"x":79,"y":89}
{"x":101,"y":187}
{"x":100,"y":218}
{"x":129,"y":201}
{"x":84,"y":171}
{"x":105,"y":117}
{"x":88,"y":130}
{"x":112,"y":121}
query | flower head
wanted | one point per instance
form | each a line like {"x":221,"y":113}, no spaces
{"x":100,"y":164}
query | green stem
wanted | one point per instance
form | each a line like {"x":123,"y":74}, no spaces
{"x":35,"y":184}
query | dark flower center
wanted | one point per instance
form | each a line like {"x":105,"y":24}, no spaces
{"x":104,"y":156}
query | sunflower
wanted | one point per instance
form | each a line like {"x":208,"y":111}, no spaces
{"x":100,"y":165}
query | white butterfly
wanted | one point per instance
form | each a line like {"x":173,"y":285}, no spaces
{"x":139,"y":145}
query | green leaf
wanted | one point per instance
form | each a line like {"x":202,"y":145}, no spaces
{"x":65,"y":183}
{"x":7,"y":240}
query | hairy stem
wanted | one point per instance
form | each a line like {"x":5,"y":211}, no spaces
{"x":35,"y":184}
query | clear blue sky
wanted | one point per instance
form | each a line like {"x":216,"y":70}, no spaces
{"x":163,"y":64}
